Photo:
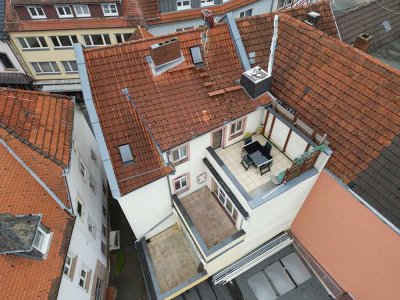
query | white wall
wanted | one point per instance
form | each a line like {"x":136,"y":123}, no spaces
{"x":5,"y":48}
{"x":83,"y":244}
{"x":259,"y":7}
{"x":147,"y":206}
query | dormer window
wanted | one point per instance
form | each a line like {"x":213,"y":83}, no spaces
{"x":41,"y":240}
{"x":81,"y":11}
{"x":126,"y":154}
{"x":64,"y":11}
{"x":183,"y":4}
{"x":36,"y":12}
{"x":207,"y":2}
{"x":110,"y":9}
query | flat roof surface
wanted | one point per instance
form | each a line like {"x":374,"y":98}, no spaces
{"x":356,"y":248}
{"x":389,"y":54}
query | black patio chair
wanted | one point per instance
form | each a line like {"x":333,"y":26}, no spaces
{"x":265,"y":168}
{"x":246,"y":162}
{"x":268,"y":147}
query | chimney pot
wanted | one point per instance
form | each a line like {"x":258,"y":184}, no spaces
{"x":312,"y":18}
{"x":363,"y":42}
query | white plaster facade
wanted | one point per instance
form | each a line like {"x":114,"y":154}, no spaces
{"x":6,"y":49}
{"x":85,"y":246}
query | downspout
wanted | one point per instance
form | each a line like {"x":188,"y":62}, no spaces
{"x":273,"y":46}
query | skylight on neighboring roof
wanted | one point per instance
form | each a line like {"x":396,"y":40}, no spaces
{"x":196,"y":55}
{"x":126,"y":153}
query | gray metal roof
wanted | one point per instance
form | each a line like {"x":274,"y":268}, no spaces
{"x":14,"y":78}
{"x":17,"y":232}
{"x":379,"y":184}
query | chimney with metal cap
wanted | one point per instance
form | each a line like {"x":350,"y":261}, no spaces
{"x":312,"y":18}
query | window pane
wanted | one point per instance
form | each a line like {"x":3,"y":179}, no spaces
{"x":6,"y":61}
{"x":239,"y":125}
{"x":23,"y":43}
{"x":36,"y":67}
{"x":183,"y":152}
{"x":229,"y":205}
{"x":97,"y":39}
{"x":43,"y":41}
{"x":32,"y":42}
{"x":38,"y":241}
{"x":87,"y":40}
{"x":46,"y":67}
{"x":55,"y":41}
{"x":107,"y":39}
{"x":235,"y":214}
{"x":175,"y":155}
{"x":184,"y":182}
{"x":65,"y":41}
{"x":74,"y":39}
{"x":55,"y":66}
{"x":177,"y":185}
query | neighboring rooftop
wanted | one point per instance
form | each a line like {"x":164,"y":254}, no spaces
{"x":340,"y":91}
{"x":41,"y":120}
{"x":389,"y":54}
{"x":349,"y":241}
{"x":131,"y":16}
{"x":21,"y":194}
{"x":3,"y":35}
{"x":380,"y":19}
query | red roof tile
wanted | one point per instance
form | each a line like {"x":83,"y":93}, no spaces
{"x":25,"y":278}
{"x":171,"y":104}
{"x":41,"y":120}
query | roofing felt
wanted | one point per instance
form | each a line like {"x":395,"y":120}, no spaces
{"x":17,"y":232}
{"x":175,"y":105}
{"x":41,"y":120}
{"x":21,"y":194}
{"x":337,"y":89}
{"x":132,"y":16}
{"x":369,"y":18}
{"x":351,"y":243}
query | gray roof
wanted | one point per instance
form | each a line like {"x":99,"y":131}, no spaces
{"x":14,"y":78}
{"x":368,"y":18}
{"x":3,"y":35}
{"x":379,"y":184}
{"x":17,"y":232}
{"x":389,"y":54}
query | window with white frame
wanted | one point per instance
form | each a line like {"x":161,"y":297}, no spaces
{"x":64,"y":11}
{"x":84,"y":278}
{"x":181,"y":184}
{"x":246,"y":13}
{"x":6,"y":62}
{"x":41,"y":240}
{"x":93,"y":155}
{"x":80,"y":207}
{"x":82,"y":169}
{"x":81,"y":10}
{"x":92,"y":183}
{"x":183,"y":4}
{"x":122,"y":37}
{"x":109,"y":9}
{"x":179,"y":154}
{"x":92,"y":228}
{"x":33,"y":42}
{"x":70,"y":66}
{"x":237,"y":127}
{"x":69,"y":265}
{"x":206,"y":2}
{"x":225,"y":201}
{"x":45,"y":67}
{"x":74,"y":144}
{"x":252,"y":57}
{"x":284,"y":3}
{"x":36,"y":12}
{"x":184,"y":29}
{"x":64,"y":41}
{"x":96,"y":39}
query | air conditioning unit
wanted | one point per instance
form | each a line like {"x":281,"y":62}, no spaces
{"x":114,"y":240}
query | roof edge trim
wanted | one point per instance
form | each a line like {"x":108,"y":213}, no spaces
{"x":94,"y":120}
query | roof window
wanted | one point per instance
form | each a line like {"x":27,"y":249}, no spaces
{"x":126,"y":153}
{"x":197,"y":58}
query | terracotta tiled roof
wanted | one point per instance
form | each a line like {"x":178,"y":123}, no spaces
{"x":140,"y":33}
{"x":153,"y":16}
{"x":341,"y":91}
{"x":25,"y":278}
{"x":175,"y":105}
{"x":368,"y":18}
{"x":41,"y":120}
{"x":132,"y":16}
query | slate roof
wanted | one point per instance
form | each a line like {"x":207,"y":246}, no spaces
{"x":132,"y":16}
{"x":368,"y":18}
{"x":342,"y":92}
{"x":174,"y":114}
{"x":17,"y":232}
{"x":21,"y":194}
{"x":41,"y":120}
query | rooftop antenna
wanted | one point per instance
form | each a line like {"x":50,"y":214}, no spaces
{"x":273,"y":46}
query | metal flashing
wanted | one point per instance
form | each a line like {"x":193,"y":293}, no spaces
{"x":94,"y":120}
{"x":237,"y":41}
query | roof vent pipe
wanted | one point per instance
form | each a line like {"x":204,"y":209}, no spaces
{"x":273,"y":46}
